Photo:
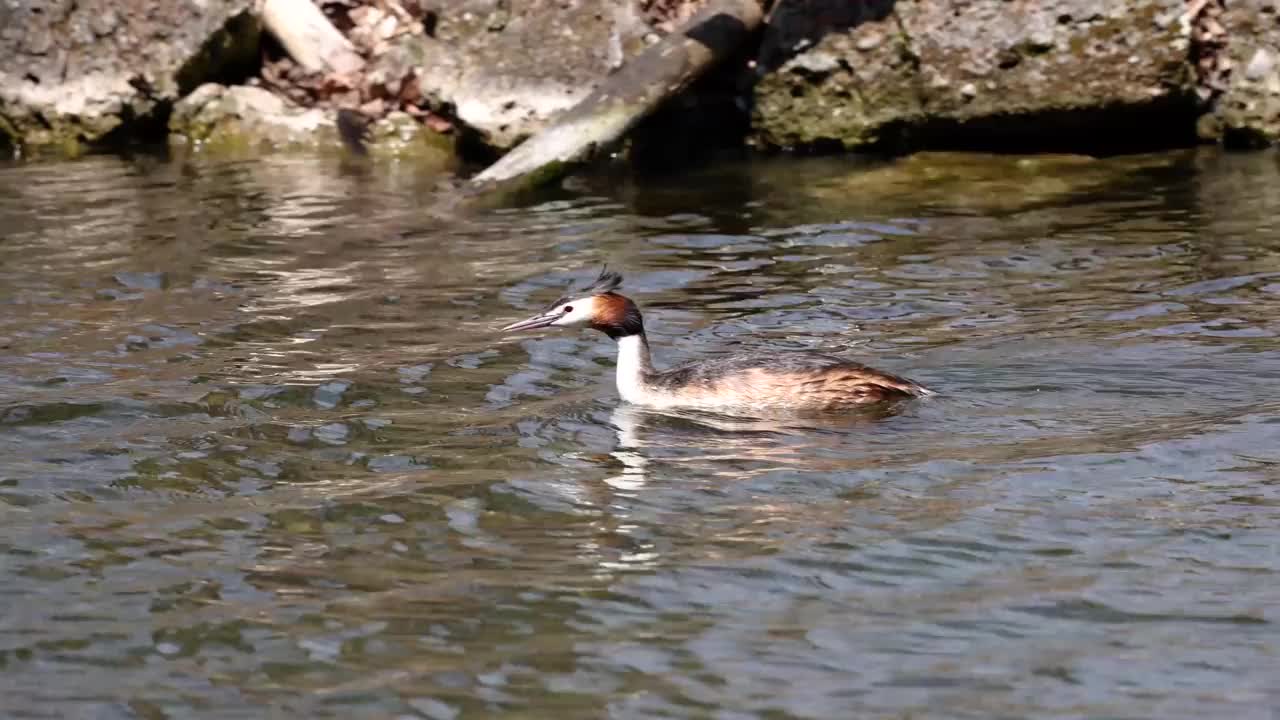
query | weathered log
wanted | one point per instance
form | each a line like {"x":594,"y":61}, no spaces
{"x":625,"y":98}
{"x":308,"y":36}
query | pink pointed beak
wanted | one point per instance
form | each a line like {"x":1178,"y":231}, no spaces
{"x":540,"y":320}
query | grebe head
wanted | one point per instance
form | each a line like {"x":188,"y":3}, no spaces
{"x":596,"y":306}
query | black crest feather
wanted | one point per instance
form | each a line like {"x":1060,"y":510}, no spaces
{"x":607,"y":282}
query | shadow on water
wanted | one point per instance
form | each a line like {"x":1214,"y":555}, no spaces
{"x":262,"y":452}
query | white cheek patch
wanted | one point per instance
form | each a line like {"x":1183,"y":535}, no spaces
{"x":579,"y":315}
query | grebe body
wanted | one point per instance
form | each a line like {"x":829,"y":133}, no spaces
{"x":784,"y":381}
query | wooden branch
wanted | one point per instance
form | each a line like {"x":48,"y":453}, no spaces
{"x":625,"y":97}
{"x":308,"y":36}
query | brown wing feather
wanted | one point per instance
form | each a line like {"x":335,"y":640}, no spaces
{"x":837,"y":388}
{"x":830,"y":389}
{"x":786,"y":381}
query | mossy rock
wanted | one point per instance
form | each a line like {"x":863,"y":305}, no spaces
{"x":928,"y":72}
{"x":243,"y":120}
{"x":99,"y":72}
{"x":1247,"y":114}
{"x":504,"y":72}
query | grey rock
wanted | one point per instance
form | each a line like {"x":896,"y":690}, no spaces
{"x":1260,"y":66}
{"x":869,"y":41}
{"x":1247,"y":114}
{"x":76,"y":71}
{"x":247,"y":119}
{"x":504,"y":69}
{"x":221,"y":116}
{"x":817,"y":62}
{"x":935,"y":61}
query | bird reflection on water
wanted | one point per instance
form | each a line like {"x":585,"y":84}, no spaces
{"x":799,"y":442}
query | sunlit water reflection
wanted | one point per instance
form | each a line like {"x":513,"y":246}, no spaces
{"x":262,"y":452}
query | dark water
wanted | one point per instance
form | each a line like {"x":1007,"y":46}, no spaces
{"x":262,"y":456}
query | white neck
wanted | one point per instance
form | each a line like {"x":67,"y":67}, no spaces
{"x":633,"y":365}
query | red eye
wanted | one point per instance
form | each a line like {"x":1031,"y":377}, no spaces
{"x":568,"y":308}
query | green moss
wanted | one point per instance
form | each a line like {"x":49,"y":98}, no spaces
{"x":401,"y":136}
{"x":216,"y":130}
{"x":227,"y":138}
{"x":65,"y":140}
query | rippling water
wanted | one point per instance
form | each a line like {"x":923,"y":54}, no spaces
{"x":262,"y":455}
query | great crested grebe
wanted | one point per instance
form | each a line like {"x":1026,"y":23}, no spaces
{"x":787,"y":381}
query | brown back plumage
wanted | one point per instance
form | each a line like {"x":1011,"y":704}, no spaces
{"x":786,"y":381}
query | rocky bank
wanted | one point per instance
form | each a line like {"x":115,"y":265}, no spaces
{"x":894,"y":75}
{"x":985,"y":72}
{"x":79,"y":73}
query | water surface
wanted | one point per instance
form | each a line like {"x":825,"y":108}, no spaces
{"x":262,"y":454}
